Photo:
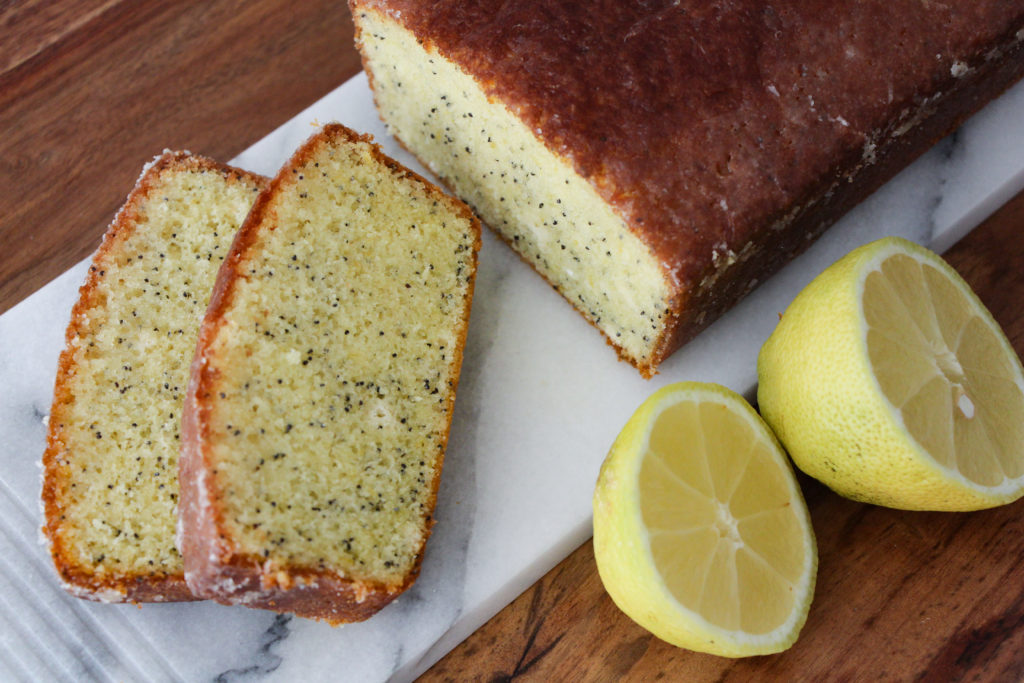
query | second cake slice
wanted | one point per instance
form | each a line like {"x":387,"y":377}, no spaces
{"x":110,"y":485}
{"x":322,"y":389}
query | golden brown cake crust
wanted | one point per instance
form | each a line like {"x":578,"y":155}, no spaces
{"x":81,"y":580}
{"x":213,"y":567}
{"x":711,"y":126}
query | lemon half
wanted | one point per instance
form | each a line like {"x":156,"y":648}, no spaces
{"x":701,"y":534}
{"x":889,"y":381}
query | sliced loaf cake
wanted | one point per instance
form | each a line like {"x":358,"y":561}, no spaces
{"x":655,"y":161}
{"x":322,"y":390}
{"x":110,"y":483}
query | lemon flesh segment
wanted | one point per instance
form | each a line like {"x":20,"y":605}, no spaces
{"x":700,"y":532}
{"x":889,"y":381}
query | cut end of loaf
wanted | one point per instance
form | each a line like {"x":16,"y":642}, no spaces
{"x":533,"y":198}
{"x":323,"y":386}
{"x":110,"y":486}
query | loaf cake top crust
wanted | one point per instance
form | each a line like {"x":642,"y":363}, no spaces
{"x":323,"y":386}
{"x":110,"y":487}
{"x":701,"y":122}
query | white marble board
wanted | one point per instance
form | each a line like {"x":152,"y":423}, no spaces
{"x":540,"y":400}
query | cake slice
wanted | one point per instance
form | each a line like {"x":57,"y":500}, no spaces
{"x":322,"y":389}
{"x":655,"y":161}
{"x":110,"y":479}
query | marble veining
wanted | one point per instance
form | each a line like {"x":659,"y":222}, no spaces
{"x":540,"y":400}
{"x":266,"y":660}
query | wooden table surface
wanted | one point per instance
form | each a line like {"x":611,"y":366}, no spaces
{"x":90,"y":90}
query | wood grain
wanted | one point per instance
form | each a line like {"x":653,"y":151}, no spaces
{"x":900,"y":595}
{"x":91,"y":90}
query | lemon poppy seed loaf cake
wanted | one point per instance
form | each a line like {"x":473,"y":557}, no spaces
{"x":654,"y":161}
{"x":323,"y":385}
{"x":110,"y":482}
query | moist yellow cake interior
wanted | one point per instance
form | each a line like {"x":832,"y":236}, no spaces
{"x":337,"y":355}
{"x":122,"y":426}
{"x":533,"y":198}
